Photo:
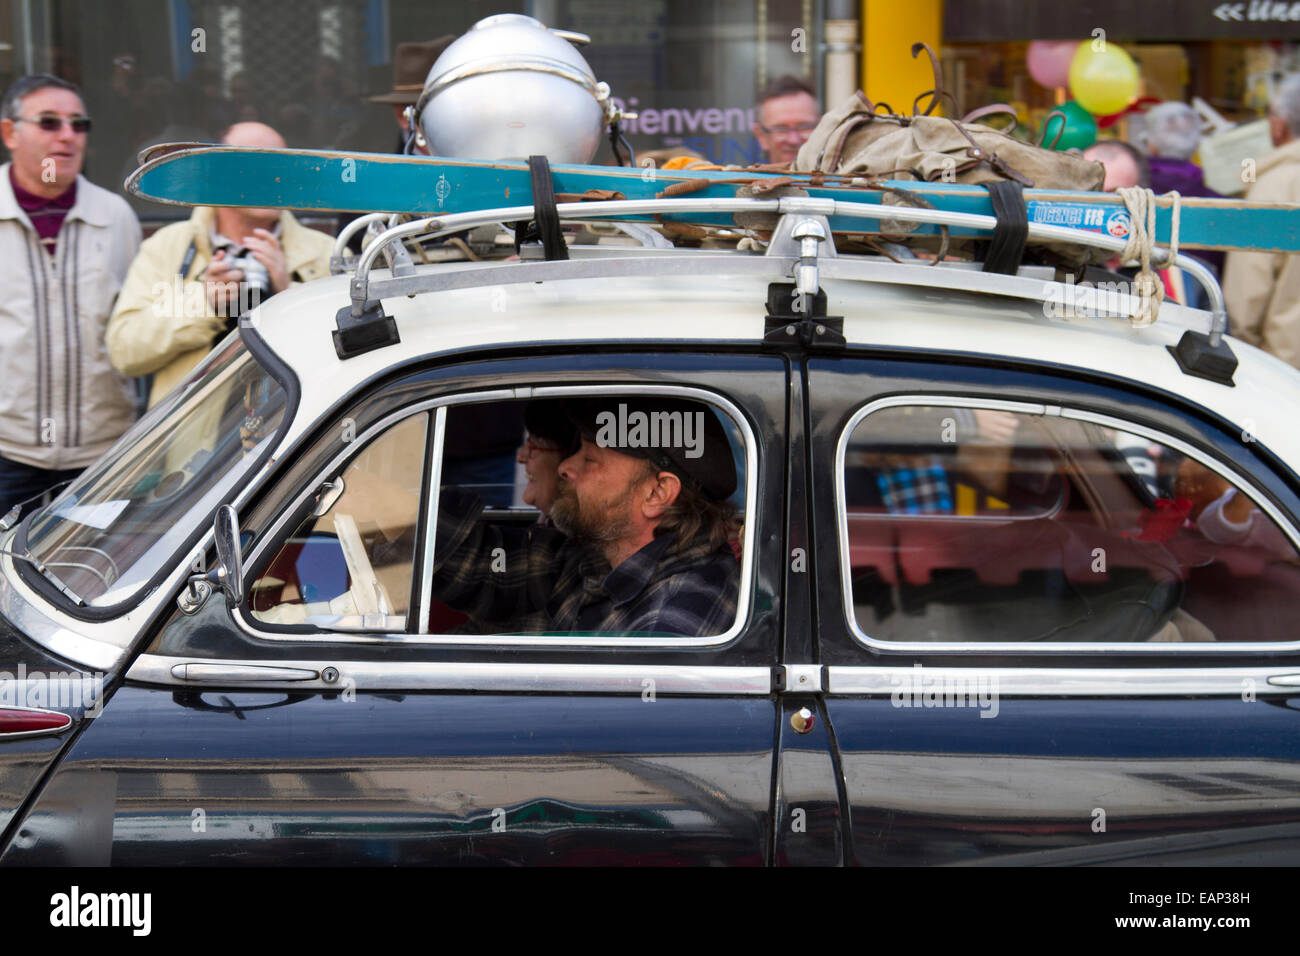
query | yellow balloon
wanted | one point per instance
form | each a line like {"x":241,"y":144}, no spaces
{"x":1103,"y":81}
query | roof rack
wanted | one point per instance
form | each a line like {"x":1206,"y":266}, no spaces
{"x":365,"y":291}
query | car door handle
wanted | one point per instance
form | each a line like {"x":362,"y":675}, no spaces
{"x":240,"y":672}
{"x":1285,"y":680}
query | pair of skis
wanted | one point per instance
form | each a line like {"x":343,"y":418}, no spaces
{"x":324,"y":181}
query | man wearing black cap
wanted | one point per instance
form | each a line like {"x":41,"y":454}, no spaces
{"x":640,"y":538}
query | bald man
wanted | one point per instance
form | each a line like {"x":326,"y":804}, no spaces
{"x":192,"y":280}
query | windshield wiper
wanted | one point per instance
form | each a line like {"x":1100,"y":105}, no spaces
{"x":49,"y":575}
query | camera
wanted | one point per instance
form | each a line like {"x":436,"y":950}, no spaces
{"x":256,"y":284}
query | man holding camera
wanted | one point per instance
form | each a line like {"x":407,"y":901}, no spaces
{"x":192,"y":280}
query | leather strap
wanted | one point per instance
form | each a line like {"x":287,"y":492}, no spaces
{"x":1007,"y":247}
{"x":545,"y":224}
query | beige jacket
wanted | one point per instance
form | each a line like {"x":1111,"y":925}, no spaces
{"x":1262,"y":289}
{"x":61,"y":402}
{"x":165,"y":325}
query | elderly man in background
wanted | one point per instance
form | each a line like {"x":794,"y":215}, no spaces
{"x":187,"y":287}
{"x":1125,"y":166}
{"x":1263,"y":288}
{"x":787,"y":115}
{"x":65,"y":245}
{"x":1173,"y":133}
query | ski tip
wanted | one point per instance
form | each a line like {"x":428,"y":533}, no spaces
{"x":163,"y":149}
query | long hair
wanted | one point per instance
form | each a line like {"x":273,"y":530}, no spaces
{"x":692,"y":514}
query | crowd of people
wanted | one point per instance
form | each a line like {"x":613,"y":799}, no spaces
{"x":82,"y":314}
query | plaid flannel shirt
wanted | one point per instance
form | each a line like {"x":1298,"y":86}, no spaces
{"x":692,"y":592}
{"x":916,"y":490}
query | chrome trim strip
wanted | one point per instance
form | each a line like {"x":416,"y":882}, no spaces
{"x":431,"y":529}
{"x":1057,"y":682}
{"x":748,"y":555}
{"x":803,"y":678}
{"x":1234,"y":648}
{"x":467,"y":677}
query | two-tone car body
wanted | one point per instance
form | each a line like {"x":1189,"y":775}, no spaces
{"x":976,"y":623}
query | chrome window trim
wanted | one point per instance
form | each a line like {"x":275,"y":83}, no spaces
{"x":748,"y":557}
{"x":434,"y":453}
{"x":535,"y":677}
{"x":1045,"y":648}
{"x":1064,"y":682}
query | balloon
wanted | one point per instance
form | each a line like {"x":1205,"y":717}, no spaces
{"x":1103,"y":81}
{"x":1080,"y":128}
{"x":1049,"y":61}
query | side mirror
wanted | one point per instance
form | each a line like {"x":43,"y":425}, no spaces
{"x":229,"y":572}
{"x":230,"y":555}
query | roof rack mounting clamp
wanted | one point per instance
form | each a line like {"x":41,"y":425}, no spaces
{"x":359,"y":334}
{"x":789,"y":327}
{"x":1197,"y":353}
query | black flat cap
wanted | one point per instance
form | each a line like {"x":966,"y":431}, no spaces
{"x":676,"y":434}
{"x":548,"y":418}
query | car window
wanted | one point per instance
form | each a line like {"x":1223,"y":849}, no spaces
{"x":348,"y":563}
{"x":983,"y":525}
{"x":578,"y":544}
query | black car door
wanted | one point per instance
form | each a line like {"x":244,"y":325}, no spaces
{"x":1040,"y":645}
{"x":335,"y":723}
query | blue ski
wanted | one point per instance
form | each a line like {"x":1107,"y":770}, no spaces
{"x":317,"y":180}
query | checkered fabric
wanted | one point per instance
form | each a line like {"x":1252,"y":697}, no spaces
{"x":916,"y":490}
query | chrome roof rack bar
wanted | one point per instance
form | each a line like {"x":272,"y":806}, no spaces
{"x":443,"y":225}
{"x":339,"y":258}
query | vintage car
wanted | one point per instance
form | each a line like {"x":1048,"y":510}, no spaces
{"x":993,"y":607}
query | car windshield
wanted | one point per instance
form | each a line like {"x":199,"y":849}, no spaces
{"x":113,"y":528}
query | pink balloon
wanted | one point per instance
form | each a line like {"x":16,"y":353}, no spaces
{"x":1049,"y":61}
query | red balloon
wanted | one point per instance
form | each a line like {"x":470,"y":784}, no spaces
{"x":1049,"y":61}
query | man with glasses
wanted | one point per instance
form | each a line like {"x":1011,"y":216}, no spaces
{"x":65,"y":245}
{"x":787,"y":115}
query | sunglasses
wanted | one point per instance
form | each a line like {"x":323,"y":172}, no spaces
{"x":52,"y":124}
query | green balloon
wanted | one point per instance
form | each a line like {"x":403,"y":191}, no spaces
{"x":1080,"y":130}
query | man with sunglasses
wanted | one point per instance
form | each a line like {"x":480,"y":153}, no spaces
{"x":787,"y":115}
{"x":65,"y":245}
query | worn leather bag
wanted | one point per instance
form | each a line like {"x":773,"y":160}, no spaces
{"x":863,"y":139}
{"x":855,"y":140}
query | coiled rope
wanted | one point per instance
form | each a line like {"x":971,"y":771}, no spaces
{"x":1141,"y":205}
